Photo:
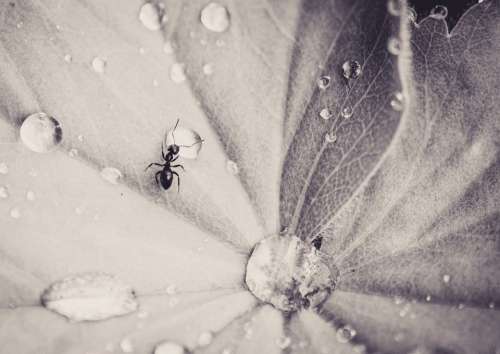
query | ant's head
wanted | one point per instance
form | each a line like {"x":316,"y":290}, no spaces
{"x":173,"y":149}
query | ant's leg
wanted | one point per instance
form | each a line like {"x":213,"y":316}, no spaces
{"x":178,"y":181}
{"x":156,"y":177}
{"x":175,"y":158}
{"x":153,"y":164}
{"x":172,"y":166}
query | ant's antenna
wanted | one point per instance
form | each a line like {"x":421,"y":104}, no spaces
{"x":193,"y":144}
{"x":173,"y":130}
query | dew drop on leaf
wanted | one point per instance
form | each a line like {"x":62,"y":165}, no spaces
{"x":397,"y":101}
{"x":330,"y":137}
{"x":351,"y":69}
{"x":177,"y":73}
{"x":4,"y":192}
{"x":394,"y":7}
{"x":232,"y":167}
{"x":208,"y":69}
{"x":111,"y":175}
{"x":446,"y":278}
{"x":205,"y":338}
{"x":326,"y":113}
{"x":347,"y":112}
{"x":90,"y":297}
{"x":68,"y":58}
{"x":30,"y":195}
{"x":324,"y":82}
{"x":98,"y":65}
{"x":439,"y":12}
{"x":215,"y":17}
{"x":168,"y":48}
{"x":40,"y":132}
{"x":4,"y":169}
{"x":188,"y":140}
{"x":15,"y":213}
{"x":394,"y":46}
{"x":152,"y":16}
{"x":169,"y":348}
{"x":126,"y":345}
{"x":284,"y":342}
{"x":345,"y":334}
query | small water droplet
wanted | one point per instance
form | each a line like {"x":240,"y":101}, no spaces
{"x":156,"y":83}
{"x":347,"y":112}
{"x":439,"y":12}
{"x":399,"y":337}
{"x":99,"y":65}
{"x":142,"y":51}
{"x":189,"y":142}
{"x":78,"y":211}
{"x":73,"y":152}
{"x":40,"y":132}
{"x":172,"y":302}
{"x":171,"y":289}
{"x":345,"y":334}
{"x":491,"y":305}
{"x":68,"y":58}
{"x":324,"y":82}
{"x":205,"y":338}
{"x":177,"y":73}
{"x":394,"y":46}
{"x":143,"y":314}
{"x":15,"y":213}
{"x":326,"y":113}
{"x":208,"y":69}
{"x":168,"y":48}
{"x":152,"y":16}
{"x":220,"y":43}
{"x":232,"y":167}
{"x":284,"y":342}
{"x":126,"y":345}
{"x":111,"y":174}
{"x":461,"y":306}
{"x":351,"y":69}
{"x":80,"y":137}
{"x":446,"y":278}
{"x":330,"y":137}
{"x":4,"y":169}
{"x":397,"y":102}
{"x":215,"y":17}
{"x":398,"y":300}
{"x":394,"y":7}
{"x":30,"y":195}
{"x":169,"y":348}
{"x":247,"y":327}
{"x":428,"y":298}
{"x":4,"y":192}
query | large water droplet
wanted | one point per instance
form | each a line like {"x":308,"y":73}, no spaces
{"x":15,"y":213}
{"x":215,"y":17}
{"x":126,"y":345}
{"x":90,"y":297}
{"x":351,"y":69}
{"x":40,"y":133}
{"x":397,"y":102}
{"x":99,"y":65}
{"x":324,"y":82}
{"x":394,"y":7}
{"x":177,"y":73}
{"x":232,"y":167}
{"x":152,"y":16}
{"x":347,"y":112}
{"x":394,"y":46}
{"x":111,"y":174}
{"x":326,"y":113}
{"x":439,"y":12}
{"x":330,"y":137}
{"x":4,"y":169}
{"x":4,"y":192}
{"x":345,"y":334}
{"x":188,"y":140}
{"x":169,"y":348}
{"x":205,"y":338}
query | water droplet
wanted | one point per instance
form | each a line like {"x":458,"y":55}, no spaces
{"x":126,"y":345}
{"x":247,"y":327}
{"x":168,"y":48}
{"x":326,"y":113}
{"x":90,"y":297}
{"x":205,"y":338}
{"x":351,"y":69}
{"x":347,"y":112}
{"x":324,"y":82}
{"x":412,"y":15}
{"x":4,"y":192}
{"x":152,"y":16}
{"x":439,"y":12}
{"x":111,"y":174}
{"x":68,"y":58}
{"x":491,"y":305}
{"x":156,"y":83}
{"x":142,"y":51}
{"x":4,"y":169}
{"x":19,"y":24}
{"x":398,"y":300}
{"x":399,"y":337}
{"x":428,"y":298}
{"x":98,"y":64}
{"x":284,"y":342}
{"x":177,"y":73}
{"x":30,"y":195}
{"x":330,"y":137}
{"x":208,"y":69}
{"x":169,"y":348}
{"x":394,"y":46}
{"x":189,"y":142}
{"x":397,"y":101}
{"x":80,"y":137}
{"x":479,"y":1}
{"x":143,"y":314}
{"x":15,"y":213}
{"x":460,"y":306}
{"x":446,"y":278}
{"x":78,"y":211}
{"x":345,"y":334}
{"x":394,"y":7}
{"x":73,"y":152}
{"x":40,"y":133}
{"x":215,"y":17}
{"x":232,"y":167}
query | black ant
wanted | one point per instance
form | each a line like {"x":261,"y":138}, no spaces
{"x":166,"y":173}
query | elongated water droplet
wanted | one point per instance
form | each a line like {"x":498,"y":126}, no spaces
{"x":188,"y":140}
{"x":397,"y":102}
{"x":177,"y":73}
{"x":169,"y":348}
{"x":4,"y":192}
{"x":30,"y":195}
{"x":345,"y":334}
{"x":394,"y":46}
{"x":99,"y":65}
{"x":324,"y":82}
{"x":330,"y":137}
{"x":15,"y":213}
{"x":439,"y":12}
{"x":4,"y":169}
{"x":208,"y":69}
{"x":215,"y":17}
{"x":126,"y":345}
{"x":347,"y":112}
{"x":394,"y":7}
{"x":205,"y":338}
{"x":90,"y":297}
{"x":326,"y":113}
{"x":351,"y":69}
{"x":168,"y":48}
{"x":152,"y":16}
{"x":40,"y":132}
{"x":232,"y":167}
{"x":111,"y":174}
{"x":284,"y":342}
{"x":446,"y":278}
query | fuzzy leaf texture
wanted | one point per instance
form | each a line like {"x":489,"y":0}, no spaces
{"x":402,"y":199}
